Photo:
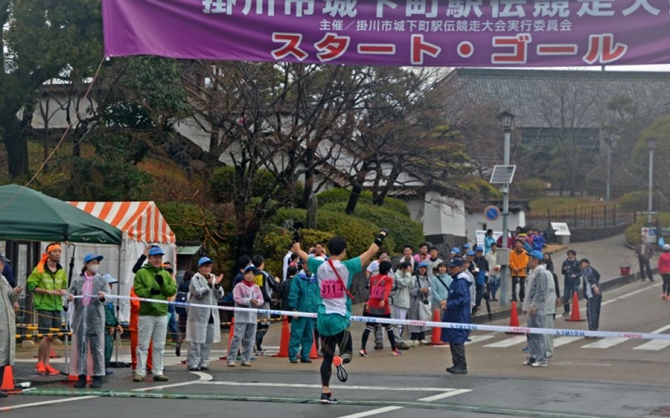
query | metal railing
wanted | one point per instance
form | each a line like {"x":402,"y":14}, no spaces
{"x":583,"y":217}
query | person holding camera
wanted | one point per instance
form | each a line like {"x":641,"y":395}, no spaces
{"x":419,"y":306}
{"x":154,"y":282}
{"x":204,"y":326}
{"x":400,"y":300}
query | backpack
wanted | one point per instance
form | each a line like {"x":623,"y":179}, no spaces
{"x":179,"y":302}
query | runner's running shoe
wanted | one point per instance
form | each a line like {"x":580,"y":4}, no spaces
{"x":342,"y":374}
{"x":50,"y":370}
{"x":327,"y":398}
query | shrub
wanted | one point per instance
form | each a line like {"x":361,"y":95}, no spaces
{"x":272,"y":243}
{"x":636,"y":201}
{"x":309,"y":237}
{"x":529,"y":188}
{"x":342,"y":195}
{"x":224,"y":181}
{"x":285,"y":214}
{"x":186,"y":220}
{"x":403,"y":229}
{"x":359,"y":233}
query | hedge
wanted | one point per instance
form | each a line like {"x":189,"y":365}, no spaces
{"x":637,"y":201}
{"x":358,"y":232}
{"x":185,"y":220}
{"x":272,"y":243}
{"x":224,"y":181}
{"x":402,"y":228}
{"x":342,"y":195}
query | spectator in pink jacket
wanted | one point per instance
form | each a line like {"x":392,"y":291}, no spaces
{"x":664,"y":270}
{"x":246,"y":294}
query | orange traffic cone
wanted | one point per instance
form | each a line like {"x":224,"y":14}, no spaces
{"x":574,"y":315}
{"x":285,"y":338}
{"x":7,"y":384}
{"x":314,"y":354}
{"x":513,"y":318}
{"x":437,"y":331}
{"x":231,"y":334}
{"x":53,"y":353}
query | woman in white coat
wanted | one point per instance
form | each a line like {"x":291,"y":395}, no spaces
{"x":7,"y":322}
{"x":203,"y":327}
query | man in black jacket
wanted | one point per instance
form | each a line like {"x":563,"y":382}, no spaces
{"x":572,"y":273}
{"x":592,"y":294}
{"x":481,"y":273}
{"x":644,"y":252}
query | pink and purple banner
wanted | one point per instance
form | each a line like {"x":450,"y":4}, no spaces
{"x":453,"y":33}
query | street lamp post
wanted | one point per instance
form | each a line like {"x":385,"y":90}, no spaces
{"x":609,"y":142}
{"x":651,"y":143}
{"x":507,"y":120}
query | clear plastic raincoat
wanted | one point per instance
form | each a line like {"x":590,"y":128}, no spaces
{"x":88,"y":327}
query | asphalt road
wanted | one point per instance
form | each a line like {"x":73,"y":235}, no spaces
{"x":586,"y":378}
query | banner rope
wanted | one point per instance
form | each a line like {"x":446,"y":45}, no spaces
{"x":409,"y":322}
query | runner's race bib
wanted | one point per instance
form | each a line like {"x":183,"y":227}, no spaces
{"x":331,"y":289}
{"x":377,"y":293}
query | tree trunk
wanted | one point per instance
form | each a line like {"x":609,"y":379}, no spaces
{"x":378,"y":196}
{"x":17,"y":149}
{"x":245,"y":244}
{"x":353,"y":199}
{"x":309,"y":177}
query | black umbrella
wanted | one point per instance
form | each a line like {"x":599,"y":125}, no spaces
{"x":487,"y":296}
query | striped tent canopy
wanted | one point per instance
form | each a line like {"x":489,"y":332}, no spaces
{"x":139,"y":221}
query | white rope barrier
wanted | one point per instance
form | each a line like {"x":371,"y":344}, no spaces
{"x":432,"y":324}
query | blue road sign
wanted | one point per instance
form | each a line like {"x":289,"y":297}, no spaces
{"x":491,"y":213}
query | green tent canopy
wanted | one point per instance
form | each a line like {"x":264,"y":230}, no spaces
{"x":26,"y":214}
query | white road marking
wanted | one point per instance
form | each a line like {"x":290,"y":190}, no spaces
{"x":655,"y":345}
{"x":606,"y":343}
{"x":633,"y":293}
{"x":445,"y":395}
{"x":373,"y":412}
{"x":479,"y":338}
{"x":508,"y":342}
{"x":34,"y":404}
{"x":565,"y":340}
{"x":204,"y":377}
{"x":607,"y":302}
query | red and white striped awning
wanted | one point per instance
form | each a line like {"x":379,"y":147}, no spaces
{"x":139,"y":221}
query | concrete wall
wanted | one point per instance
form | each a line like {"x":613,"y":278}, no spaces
{"x":443,"y":217}
{"x":52,"y":111}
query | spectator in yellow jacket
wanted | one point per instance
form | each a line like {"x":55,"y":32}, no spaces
{"x":518,"y":261}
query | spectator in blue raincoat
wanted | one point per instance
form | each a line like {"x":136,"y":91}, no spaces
{"x":303,"y":297}
{"x":458,"y":311}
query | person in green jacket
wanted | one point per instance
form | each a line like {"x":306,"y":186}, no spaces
{"x":154,"y":282}
{"x":48,"y":284}
{"x":112,"y":326}
{"x":303,"y":297}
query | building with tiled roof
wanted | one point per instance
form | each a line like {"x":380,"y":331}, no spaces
{"x":549,"y":104}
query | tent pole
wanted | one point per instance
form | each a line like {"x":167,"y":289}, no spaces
{"x":118,"y":311}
